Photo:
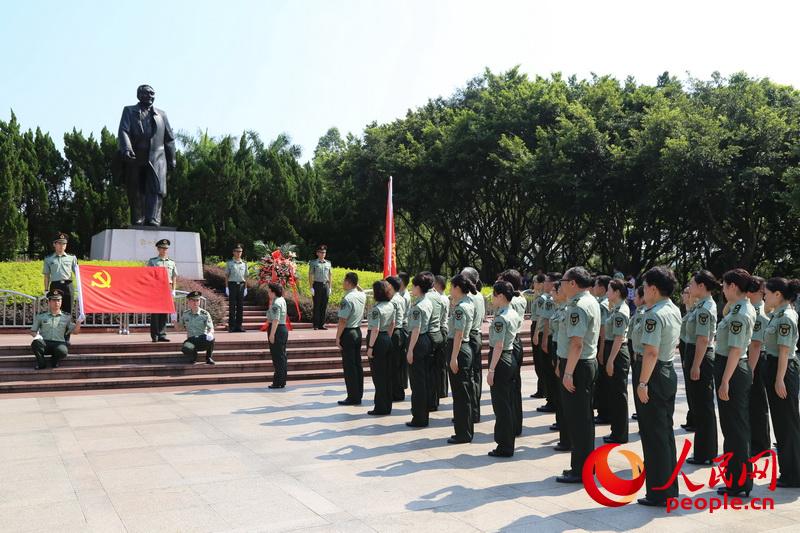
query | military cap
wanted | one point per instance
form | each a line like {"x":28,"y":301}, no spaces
{"x":194,"y":295}
{"x":55,"y":294}
{"x":238,"y":246}
{"x":322,"y":248}
{"x":163,"y":243}
{"x":61,"y":237}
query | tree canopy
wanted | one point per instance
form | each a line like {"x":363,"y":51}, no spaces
{"x":510,"y":171}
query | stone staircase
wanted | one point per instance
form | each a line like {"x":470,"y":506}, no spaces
{"x":110,"y":361}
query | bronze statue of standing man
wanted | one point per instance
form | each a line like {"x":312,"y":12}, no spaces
{"x":147,"y":146}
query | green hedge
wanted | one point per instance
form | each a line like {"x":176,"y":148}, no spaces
{"x":365,"y":279}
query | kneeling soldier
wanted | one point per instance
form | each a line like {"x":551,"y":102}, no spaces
{"x":49,"y":330}
{"x":199,"y":329}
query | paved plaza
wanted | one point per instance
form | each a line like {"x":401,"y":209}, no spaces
{"x":241,"y":458}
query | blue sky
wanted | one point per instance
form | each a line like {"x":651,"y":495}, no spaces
{"x":303,"y":66}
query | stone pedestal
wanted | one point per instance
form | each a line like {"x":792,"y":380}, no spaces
{"x":139,"y":244}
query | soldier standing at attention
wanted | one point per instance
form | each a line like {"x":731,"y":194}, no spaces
{"x":733,"y":379}
{"x":158,"y":322}
{"x":701,"y":328}
{"x":437,"y":362}
{"x":442,"y":365}
{"x":757,"y":357}
{"x":420,"y":349}
{"x":381,"y":322}
{"x":545,"y":314}
{"x":399,"y":338}
{"x":518,"y":303}
{"x":319,"y":279}
{"x":502,"y":368}
{"x":278,"y":334}
{"x":579,"y":368}
{"x":658,"y":384}
{"x":635,"y":345}
{"x":57,"y":270}
{"x":538,"y":307}
{"x":783,"y":377}
{"x":236,"y":289}
{"x":688,"y":301}
{"x":476,"y":341}
{"x":618,"y":361}
{"x":50,"y":330}
{"x":348,"y":338}
{"x":560,"y":349}
{"x":199,"y":330}
{"x":460,"y":358}
{"x":400,"y":369}
{"x":600,"y":291}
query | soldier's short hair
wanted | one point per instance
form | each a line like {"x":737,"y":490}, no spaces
{"x":661,"y":278}
{"x":580,"y":276}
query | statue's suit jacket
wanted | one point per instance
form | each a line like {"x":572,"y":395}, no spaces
{"x":161,"y":145}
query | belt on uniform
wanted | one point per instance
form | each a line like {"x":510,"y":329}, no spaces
{"x":725,"y":356}
{"x":65,"y":281}
{"x":350,"y":329}
{"x":236,"y":282}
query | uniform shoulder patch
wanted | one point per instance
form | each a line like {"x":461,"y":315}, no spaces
{"x":703,"y":318}
{"x":498,"y":326}
{"x":415,"y":314}
{"x":618,"y":322}
{"x":650,"y":325}
{"x":574,"y":318}
{"x":459,"y":314}
{"x":375,"y":313}
{"x":736,"y":327}
{"x":757,"y":326}
{"x":549,"y":305}
{"x":784,"y":330}
{"x":736,"y":308}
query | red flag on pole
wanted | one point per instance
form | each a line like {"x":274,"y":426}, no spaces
{"x":107,"y":289}
{"x":389,"y":243}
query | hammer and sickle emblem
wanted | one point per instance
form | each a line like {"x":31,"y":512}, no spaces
{"x":103,"y":279}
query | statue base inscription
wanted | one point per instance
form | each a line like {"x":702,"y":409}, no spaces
{"x":139,"y":244}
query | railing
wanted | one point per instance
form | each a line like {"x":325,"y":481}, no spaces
{"x":18,"y":309}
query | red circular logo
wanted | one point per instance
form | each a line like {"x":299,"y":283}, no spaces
{"x":596,"y":467}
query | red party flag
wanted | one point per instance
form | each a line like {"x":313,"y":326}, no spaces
{"x":389,"y":244}
{"x":106,"y":289}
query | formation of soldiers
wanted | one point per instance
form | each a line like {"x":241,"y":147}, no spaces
{"x":586,"y":340}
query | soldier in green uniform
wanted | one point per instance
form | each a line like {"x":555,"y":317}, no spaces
{"x":699,"y":363}
{"x":618,"y":361}
{"x":442,"y":366}
{"x":600,"y":291}
{"x":399,"y":338}
{"x":278,"y":335}
{"x":502,"y":368}
{"x":381,"y":323}
{"x":688,"y":302}
{"x":400,"y":368}
{"x":199,"y":330}
{"x":437,"y":361}
{"x":578,"y":370}
{"x":236,"y":289}
{"x":58,"y":269}
{"x":559,"y":350}
{"x":476,"y":341}
{"x":545,"y":339}
{"x":158,"y":322}
{"x":539,"y":358}
{"x":50,"y":330}
{"x":519,"y":304}
{"x":733,"y":379}
{"x":658,"y":384}
{"x":348,"y":338}
{"x":460,"y":358}
{"x":757,"y":359}
{"x":319,"y":279}
{"x":420,"y":349}
{"x":783,"y":376}
{"x":635,"y":345}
